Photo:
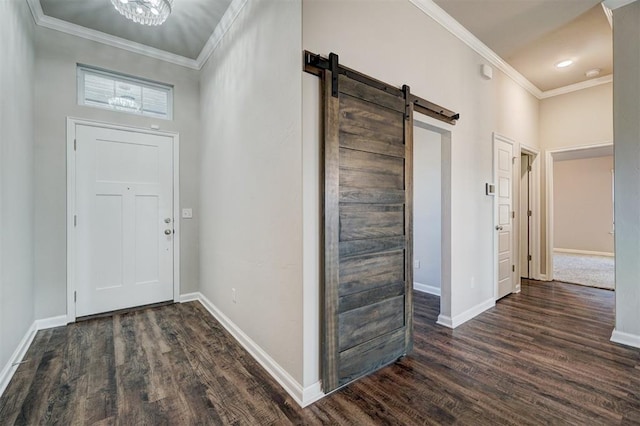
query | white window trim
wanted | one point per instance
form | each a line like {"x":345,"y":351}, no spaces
{"x":82,"y":70}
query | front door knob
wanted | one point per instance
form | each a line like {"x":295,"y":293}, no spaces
{"x":167,"y":232}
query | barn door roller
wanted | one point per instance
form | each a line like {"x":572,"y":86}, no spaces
{"x":316,"y":64}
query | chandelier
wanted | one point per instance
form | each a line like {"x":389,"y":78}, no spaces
{"x":146,"y":12}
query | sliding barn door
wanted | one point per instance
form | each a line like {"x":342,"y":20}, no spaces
{"x":368,"y":228}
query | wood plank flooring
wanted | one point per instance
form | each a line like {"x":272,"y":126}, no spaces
{"x":539,"y":357}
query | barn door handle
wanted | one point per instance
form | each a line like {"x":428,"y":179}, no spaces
{"x":499,"y":228}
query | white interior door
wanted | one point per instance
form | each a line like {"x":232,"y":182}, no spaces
{"x":124,"y":219}
{"x":525,"y":217}
{"x":503,"y":163}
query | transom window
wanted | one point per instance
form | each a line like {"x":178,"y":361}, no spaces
{"x":110,"y":90}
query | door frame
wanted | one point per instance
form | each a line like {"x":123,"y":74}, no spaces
{"x":496,"y":137}
{"x":534,"y":196}
{"x":72,"y":122}
{"x":549,"y":161}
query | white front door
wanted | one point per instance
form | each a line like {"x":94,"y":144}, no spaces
{"x":124,"y":219}
{"x":503,"y":164}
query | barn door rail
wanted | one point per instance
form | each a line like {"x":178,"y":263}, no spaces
{"x":316,"y":64}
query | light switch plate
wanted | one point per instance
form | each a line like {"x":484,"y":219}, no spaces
{"x":187,"y":213}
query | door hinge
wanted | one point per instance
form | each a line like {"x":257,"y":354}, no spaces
{"x":75,"y":296}
{"x":528,"y":168}
{"x":529,"y":213}
{"x":513,"y":268}
{"x":75,"y":220}
{"x":513,"y":215}
{"x":529,"y":258}
{"x":75,"y":144}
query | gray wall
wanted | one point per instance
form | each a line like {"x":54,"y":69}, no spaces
{"x":427,"y":215}
{"x":16,"y":174}
{"x":251,"y":227}
{"x":626,"y":125}
{"x":55,"y":85}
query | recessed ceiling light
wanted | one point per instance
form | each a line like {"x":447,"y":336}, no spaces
{"x":593,"y":73}
{"x":564,"y":64}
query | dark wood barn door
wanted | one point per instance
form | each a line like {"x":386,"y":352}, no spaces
{"x":367,"y":314}
{"x":368,"y":221}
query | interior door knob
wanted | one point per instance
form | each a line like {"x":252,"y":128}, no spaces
{"x":167,"y":232}
{"x":499,"y":228}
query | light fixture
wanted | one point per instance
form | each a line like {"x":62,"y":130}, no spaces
{"x":593,"y":73}
{"x":124,"y":103}
{"x":564,"y":64}
{"x":146,"y":12}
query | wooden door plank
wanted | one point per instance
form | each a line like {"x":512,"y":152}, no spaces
{"x":408,"y":221}
{"x":368,"y":93}
{"x":371,"y":144}
{"x":360,"y":221}
{"x":356,"y":113}
{"x":368,"y":246}
{"x":362,"y":298}
{"x":368,"y":322}
{"x":369,"y":271}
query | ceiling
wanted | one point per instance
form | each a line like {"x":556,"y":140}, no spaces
{"x":185,"y":32}
{"x":533,"y":35}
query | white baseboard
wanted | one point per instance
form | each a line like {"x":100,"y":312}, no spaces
{"x":470,"y":313}
{"x":302,"y":395}
{"x":445,"y":320}
{"x":18,"y":355}
{"x":53,"y":322}
{"x":12,"y":365}
{"x":426,"y":288}
{"x":585,"y":252}
{"x":625,"y":338}
{"x":189,"y":297}
{"x":543,"y":277}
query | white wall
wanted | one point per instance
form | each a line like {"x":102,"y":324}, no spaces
{"x":583,"y":204}
{"x":55,"y":86}
{"x":395,"y":42}
{"x":16,"y":175}
{"x":427,"y":216}
{"x":251,"y":179}
{"x":626,"y":38}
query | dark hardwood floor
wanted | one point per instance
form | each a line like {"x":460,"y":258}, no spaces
{"x":539,"y":357}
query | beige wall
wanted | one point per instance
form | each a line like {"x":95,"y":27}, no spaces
{"x":16,"y":176}
{"x":575,"y":119}
{"x":583,"y":204}
{"x":55,"y":86}
{"x":579,"y":118}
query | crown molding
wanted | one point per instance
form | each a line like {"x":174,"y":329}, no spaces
{"x":614,"y":4}
{"x":221,"y":29}
{"x":577,"y":86}
{"x":608,"y":13}
{"x":219,"y":32}
{"x":454,"y":27}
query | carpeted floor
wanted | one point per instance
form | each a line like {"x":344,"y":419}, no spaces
{"x":592,"y":271}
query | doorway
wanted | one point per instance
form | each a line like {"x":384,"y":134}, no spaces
{"x":122,"y":231}
{"x":427,"y":210}
{"x":580,"y":231}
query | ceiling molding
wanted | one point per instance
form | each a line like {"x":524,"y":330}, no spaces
{"x":454,"y":27}
{"x":221,"y":29}
{"x":212,"y":43}
{"x":66,"y":27}
{"x":578,"y":86}
{"x":614,"y":4}
{"x":608,"y":13}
